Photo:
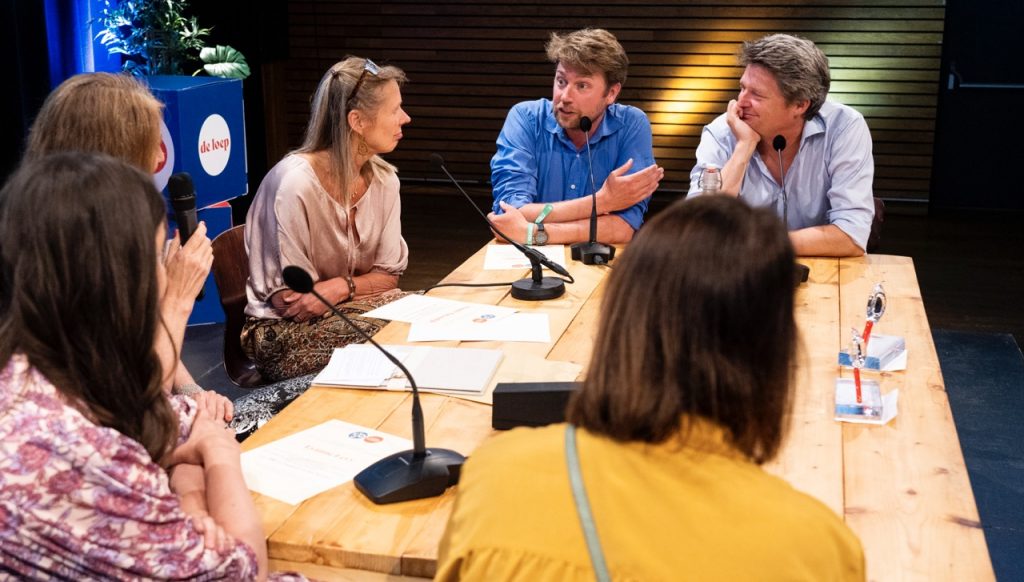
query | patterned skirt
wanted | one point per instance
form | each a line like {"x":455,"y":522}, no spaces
{"x":291,"y":354}
{"x":283,"y":349}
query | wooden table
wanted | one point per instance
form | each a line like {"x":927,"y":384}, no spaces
{"x":903,"y":488}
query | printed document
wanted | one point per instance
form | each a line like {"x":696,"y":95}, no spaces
{"x":518,"y":327}
{"x":299,"y":466}
{"x":423,"y":309}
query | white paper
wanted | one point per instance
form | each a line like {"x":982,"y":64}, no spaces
{"x":519,"y":327}
{"x":450,"y":370}
{"x":423,"y":309}
{"x":299,"y":466}
{"x":360,"y":365}
{"x":501,"y":257}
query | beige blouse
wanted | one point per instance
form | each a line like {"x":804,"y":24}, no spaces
{"x":293,"y":221}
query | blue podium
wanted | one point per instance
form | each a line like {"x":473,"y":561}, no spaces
{"x":203,"y":133}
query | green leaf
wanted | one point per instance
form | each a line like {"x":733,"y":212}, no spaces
{"x":224,"y":61}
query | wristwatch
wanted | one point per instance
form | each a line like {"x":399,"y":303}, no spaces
{"x":541,"y":236}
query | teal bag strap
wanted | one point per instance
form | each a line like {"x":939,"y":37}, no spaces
{"x":579,"y":493}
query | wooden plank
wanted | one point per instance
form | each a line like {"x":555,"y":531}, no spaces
{"x":812,"y":453}
{"x":908,"y":496}
{"x":329,"y":574}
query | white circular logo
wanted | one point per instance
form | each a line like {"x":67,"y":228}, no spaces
{"x":214,"y":144}
{"x":164,"y":169}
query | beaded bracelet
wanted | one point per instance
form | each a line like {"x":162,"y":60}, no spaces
{"x":351,"y":287}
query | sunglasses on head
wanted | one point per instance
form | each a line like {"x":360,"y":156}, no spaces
{"x":368,"y":67}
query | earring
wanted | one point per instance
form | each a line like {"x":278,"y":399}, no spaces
{"x":362,"y":148}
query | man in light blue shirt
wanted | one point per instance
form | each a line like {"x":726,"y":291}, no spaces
{"x":541,"y":174}
{"x":828,"y":163}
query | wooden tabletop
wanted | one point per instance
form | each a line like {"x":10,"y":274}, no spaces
{"x":903,"y":488}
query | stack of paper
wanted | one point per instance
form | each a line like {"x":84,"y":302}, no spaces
{"x":455,"y":370}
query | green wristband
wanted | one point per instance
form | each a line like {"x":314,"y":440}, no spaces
{"x":529,"y":233}
{"x":544,"y":213}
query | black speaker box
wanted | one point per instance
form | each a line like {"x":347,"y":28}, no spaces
{"x":530,"y":403}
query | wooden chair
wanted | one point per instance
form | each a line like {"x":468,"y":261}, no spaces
{"x":231,"y":271}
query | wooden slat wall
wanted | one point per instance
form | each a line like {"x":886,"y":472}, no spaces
{"x":470,"y":60}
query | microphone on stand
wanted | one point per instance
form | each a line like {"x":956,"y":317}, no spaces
{"x":414,"y":474}
{"x":591,"y":252}
{"x":779,"y":144}
{"x":535,"y":288}
{"x":183,"y":200}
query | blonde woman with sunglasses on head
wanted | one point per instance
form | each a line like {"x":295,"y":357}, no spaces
{"x":332,"y":208}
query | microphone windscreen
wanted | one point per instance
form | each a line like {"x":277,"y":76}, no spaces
{"x":180,"y":186}
{"x":585,"y":124}
{"x":297,"y":279}
{"x":779,"y":143}
{"x":437,"y":160}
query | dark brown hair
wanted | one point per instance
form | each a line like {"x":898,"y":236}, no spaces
{"x":79,"y":291}
{"x":99,"y":112}
{"x":697,"y":323}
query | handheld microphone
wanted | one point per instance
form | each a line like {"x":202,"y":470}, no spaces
{"x":591,"y":252}
{"x":414,"y":474}
{"x":779,"y":144}
{"x":183,"y":201}
{"x":537,"y":287}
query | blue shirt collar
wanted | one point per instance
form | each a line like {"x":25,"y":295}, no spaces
{"x":814,"y":126}
{"x":609,"y":125}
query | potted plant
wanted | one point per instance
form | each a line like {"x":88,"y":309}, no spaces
{"x":154,"y":37}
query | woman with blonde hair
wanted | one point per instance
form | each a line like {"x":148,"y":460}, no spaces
{"x":118,"y":116}
{"x":331,"y":207}
{"x":658,"y":474}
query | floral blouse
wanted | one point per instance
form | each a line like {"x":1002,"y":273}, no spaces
{"x":81,"y":501}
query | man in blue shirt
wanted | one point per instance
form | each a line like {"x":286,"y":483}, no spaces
{"x":827,"y":161}
{"x":541,"y":174}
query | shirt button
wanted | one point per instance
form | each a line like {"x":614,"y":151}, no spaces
{"x":572,"y":186}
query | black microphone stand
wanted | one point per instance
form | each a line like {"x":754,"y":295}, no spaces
{"x":778,"y":144}
{"x":406,"y":475}
{"x":537,"y":287}
{"x":591,"y":252}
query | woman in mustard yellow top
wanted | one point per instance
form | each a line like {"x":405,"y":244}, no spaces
{"x":687,"y":394}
